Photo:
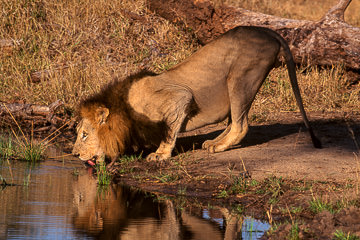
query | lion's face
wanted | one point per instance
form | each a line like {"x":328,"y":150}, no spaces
{"x":87,"y":145}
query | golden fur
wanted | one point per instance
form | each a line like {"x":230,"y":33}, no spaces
{"x":219,"y":81}
{"x":112,"y":126}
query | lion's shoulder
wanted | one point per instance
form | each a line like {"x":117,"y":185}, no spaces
{"x":115,"y":92}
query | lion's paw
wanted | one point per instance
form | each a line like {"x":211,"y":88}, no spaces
{"x":157,"y":156}
{"x":207,"y":144}
{"x":214,"y":147}
{"x":153,"y":157}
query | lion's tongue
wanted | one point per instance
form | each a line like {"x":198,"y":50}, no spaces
{"x":91,"y":163}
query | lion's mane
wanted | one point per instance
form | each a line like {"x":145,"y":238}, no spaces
{"x":125,"y":131}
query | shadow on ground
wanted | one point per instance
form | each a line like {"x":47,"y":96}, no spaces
{"x":331,"y":133}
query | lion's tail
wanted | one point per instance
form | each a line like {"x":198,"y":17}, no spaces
{"x":294,"y":83}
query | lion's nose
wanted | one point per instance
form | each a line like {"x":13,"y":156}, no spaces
{"x":75,"y":154}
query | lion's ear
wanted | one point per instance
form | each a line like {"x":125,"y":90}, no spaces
{"x":101,"y":115}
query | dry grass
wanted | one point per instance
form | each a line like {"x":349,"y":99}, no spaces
{"x":323,"y":90}
{"x":87,"y":43}
{"x":84,"y":44}
{"x":296,"y":9}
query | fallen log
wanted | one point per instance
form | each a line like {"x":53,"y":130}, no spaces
{"x":38,"y":117}
{"x":29,"y":109}
{"x":328,"y":41}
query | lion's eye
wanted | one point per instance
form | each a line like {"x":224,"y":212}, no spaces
{"x":84,"y":135}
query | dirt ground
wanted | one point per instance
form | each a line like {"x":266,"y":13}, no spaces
{"x":278,"y":149}
{"x":284,"y":149}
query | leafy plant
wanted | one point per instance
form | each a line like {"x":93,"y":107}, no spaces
{"x":293,"y":210}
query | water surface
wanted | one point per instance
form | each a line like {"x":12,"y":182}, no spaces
{"x":59,"y":199}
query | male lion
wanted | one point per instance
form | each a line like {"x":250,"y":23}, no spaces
{"x":217,"y":82}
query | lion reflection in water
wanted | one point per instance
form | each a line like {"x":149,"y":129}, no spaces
{"x":121,"y":213}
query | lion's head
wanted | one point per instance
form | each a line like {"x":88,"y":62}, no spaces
{"x":100,"y":133}
{"x":110,"y":127}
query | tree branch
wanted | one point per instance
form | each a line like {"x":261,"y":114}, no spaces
{"x":328,"y":41}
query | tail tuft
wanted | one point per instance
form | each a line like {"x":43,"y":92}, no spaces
{"x":316,"y":142}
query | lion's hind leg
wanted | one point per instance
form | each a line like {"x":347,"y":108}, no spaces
{"x":243,"y":85}
{"x":208,"y":143}
{"x":231,"y":136}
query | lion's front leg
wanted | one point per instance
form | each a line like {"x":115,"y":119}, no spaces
{"x":176,"y":115}
{"x":167,"y":145}
{"x":164,"y":151}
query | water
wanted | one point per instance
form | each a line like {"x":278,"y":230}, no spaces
{"x":60,"y":200}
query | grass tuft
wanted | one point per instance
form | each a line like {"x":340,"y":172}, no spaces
{"x":294,"y":232}
{"x":318,"y":205}
{"x":103,"y":176}
{"x":7,"y":148}
{"x":340,"y":235}
{"x":274,"y":187}
{"x":125,"y":163}
{"x":33,"y":152}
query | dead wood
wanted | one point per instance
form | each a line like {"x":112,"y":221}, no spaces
{"x":29,"y":109}
{"x":38,"y":117}
{"x":326,"y":42}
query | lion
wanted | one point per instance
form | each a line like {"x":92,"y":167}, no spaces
{"x":217,"y":82}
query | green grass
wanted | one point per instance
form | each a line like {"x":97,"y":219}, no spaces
{"x":239,"y":185}
{"x":31,"y":151}
{"x":223,"y":194}
{"x":294,"y":232}
{"x":340,"y":235}
{"x":126,"y":159}
{"x":125,"y":163}
{"x":7,"y":149}
{"x":167,"y":177}
{"x":274,"y":187}
{"x":103,"y":176}
{"x":238,"y":209}
{"x":317,"y":205}
{"x":292,"y":210}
